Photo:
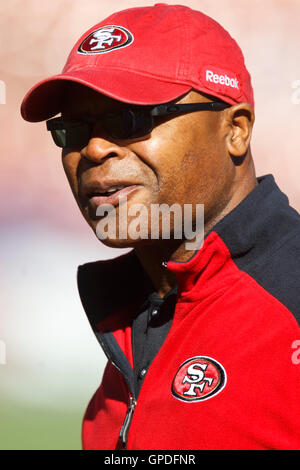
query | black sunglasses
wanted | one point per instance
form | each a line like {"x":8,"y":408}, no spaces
{"x":132,"y":122}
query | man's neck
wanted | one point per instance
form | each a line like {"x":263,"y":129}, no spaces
{"x":152,"y":258}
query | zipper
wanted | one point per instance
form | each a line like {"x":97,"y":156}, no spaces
{"x":117,"y":358}
{"x":127,"y":421}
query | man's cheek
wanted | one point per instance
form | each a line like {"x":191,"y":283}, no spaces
{"x":70,"y":166}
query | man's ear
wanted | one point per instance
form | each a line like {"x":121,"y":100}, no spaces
{"x":240,"y":119}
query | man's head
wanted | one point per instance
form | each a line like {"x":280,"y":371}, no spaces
{"x":145,"y":57}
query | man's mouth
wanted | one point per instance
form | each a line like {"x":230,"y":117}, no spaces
{"x":109,"y":192}
{"x":99,"y":193}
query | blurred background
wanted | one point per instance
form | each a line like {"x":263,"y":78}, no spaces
{"x":50,"y":361}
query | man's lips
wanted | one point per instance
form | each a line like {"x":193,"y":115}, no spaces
{"x":98,"y":198}
{"x":102,"y":186}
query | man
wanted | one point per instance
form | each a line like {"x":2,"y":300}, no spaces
{"x":157,"y":108}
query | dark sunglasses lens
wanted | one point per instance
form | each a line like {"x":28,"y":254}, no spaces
{"x":128,"y":124}
{"x":59,"y":137}
{"x":72,"y":137}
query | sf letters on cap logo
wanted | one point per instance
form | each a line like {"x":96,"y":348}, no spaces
{"x":198,"y":379}
{"x":105,"y":39}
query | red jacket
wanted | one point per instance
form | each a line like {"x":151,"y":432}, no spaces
{"x":227,"y":376}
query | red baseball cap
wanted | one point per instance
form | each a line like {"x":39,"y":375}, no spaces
{"x":148,"y":55}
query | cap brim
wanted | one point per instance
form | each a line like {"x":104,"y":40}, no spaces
{"x":45,"y":99}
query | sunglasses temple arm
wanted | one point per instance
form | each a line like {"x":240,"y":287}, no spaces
{"x":187,"y":108}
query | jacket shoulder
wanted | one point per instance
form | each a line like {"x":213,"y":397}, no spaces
{"x":278,"y":271}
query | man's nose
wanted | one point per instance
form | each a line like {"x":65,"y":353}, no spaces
{"x":99,"y":149}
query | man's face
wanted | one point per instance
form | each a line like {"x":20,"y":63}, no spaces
{"x":184,"y":160}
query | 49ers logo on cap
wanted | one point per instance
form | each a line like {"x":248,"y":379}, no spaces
{"x":198,"y":378}
{"x":106,"y":39}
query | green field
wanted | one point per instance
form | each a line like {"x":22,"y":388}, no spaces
{"x":28,"y":428}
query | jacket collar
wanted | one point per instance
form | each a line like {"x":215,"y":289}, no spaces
{"x":110,"y":286}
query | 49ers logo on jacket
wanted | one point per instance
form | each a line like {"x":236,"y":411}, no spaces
{"x":198,"y":378}
{"x":106,"y":39}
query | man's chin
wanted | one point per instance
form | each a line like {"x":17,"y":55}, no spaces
{"x":122,"y":242}
{"x":125,"y":232}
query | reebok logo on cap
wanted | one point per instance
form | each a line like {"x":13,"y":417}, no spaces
{"x":222,"y":79}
